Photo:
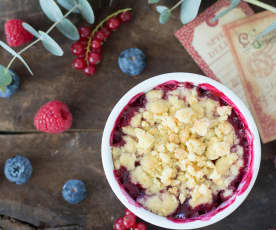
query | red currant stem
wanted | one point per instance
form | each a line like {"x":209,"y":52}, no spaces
{"x":176,"y":5}
{"x":88,"y":48}
{"x":39,"y":39}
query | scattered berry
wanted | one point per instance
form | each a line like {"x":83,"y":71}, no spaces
{"x":77,"y":48}
{"x":97,"y":51}
{"x":119,"y":224}
{"x":94,"y":58}
{"x":90,"y":70}
{"x":106,"y":32}
{"x":113,"y":24}
{"x":84,"y":31}
{"x":140,"y":226}
{"x":125,"y":16}
{"x":53,"y":117}
{"x":129,"y":221}
{"x":95,"y":44}
{"x":74,"y":191}
{"x":18,"y":169}
{"x":128,"y":212}
{"x":99,"y":35}
{"x":132,"y":61}
{"x":79,"y":63}
{"x":15,"y":33}
{"x":12,"y":88}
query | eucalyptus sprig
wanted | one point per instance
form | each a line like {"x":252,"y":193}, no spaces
{"x":65,"y":26}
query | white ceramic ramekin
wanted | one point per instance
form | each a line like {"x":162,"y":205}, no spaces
{"x":227,"y":207}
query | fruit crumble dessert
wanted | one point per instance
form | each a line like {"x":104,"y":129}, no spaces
{"x":180,"y":150}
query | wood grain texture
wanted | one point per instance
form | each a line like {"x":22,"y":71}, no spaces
{"x":57,"y":158}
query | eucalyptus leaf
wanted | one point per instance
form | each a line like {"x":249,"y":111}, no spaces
{"x":189,"y":10}
{"x":68,"y":5}
{"x":153,"y":1}
{"x":50,"y":44}
{"x":68,"y":29}
{"x":29,"y":28}
{"x":160,"y":9}
{"x":233,"y":4}
{"x":12,"y":52}
{"x":86,"y":11}
{"x":5,"y":77}
{"x":51,"y":9}
{"x":266,"y":31}
{"x":165,"y":16}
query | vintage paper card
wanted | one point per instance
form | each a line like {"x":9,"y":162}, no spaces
{"x":256,"y":62}
{"x":206,"y":43}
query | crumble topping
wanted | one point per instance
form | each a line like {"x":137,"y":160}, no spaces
{"x":179,"y":148}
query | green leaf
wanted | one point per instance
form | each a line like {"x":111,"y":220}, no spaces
{"x":153,"y":1}
{"x":5,"y":77}
{"x":68,"y":29}
{"x":51,"y":9}
{"x":160,"y":9}
{"x":30,"y":29}
{"x":86,"y":11}
{"x":50,"y":44}
{"x":165,"y":16}
{"x":68,"y":5}
{"x":12,"y":52}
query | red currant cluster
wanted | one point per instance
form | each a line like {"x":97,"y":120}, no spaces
{"x":89,"y":48}
{"x":128,"y":221}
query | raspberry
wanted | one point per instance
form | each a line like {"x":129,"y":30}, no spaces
{"x":90,"y":70}
{"x":53,"y":117}
{"x":113,"y":24}
{"x":16,"y":35}
{"x":125,"y":16}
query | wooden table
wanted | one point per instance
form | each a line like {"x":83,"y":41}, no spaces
{"x":76,"y":154}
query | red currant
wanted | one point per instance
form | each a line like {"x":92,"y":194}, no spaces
{"x":99,"y":35}
{"x":79,"y":63}
{"x":125,"y":16}
{"x":106,"y":32}
{"x":84,"y":31}
{"x":83,"y":41}
{"x":119,"y":224}
{"x":96,"y":43}
{"x":140,"y":226}
{"x":94,"y":58}
{"x":127,"y":212}
{"x":113,"y":24}
{"x":129,"y":221}
{"x":77,"y":48}
{"x":97,"y":51}
{"x":90,"y":70}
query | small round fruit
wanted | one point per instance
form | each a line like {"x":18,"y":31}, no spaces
{"x":125,"y":16}
{"x":140,"y":226}
{"x":95,"y":44}
{"x":128,"y":212}
{"x":74,"y":191}
{"x":12,"y":88}
{"x":106,"y":32}
{"x":129,"y":221}
{"x":113,"y":24}
{"x":119,"y":224}
{"x":77,"y":48}
{"x":90,"y":70}
{"x":94,"y":58}
{"x":18,"y":169}
{"x":97,"y":51}
{"x":83,"y":41}
{"x":79,"y":63}
{"x":99,"y":35}
{"x":132,"y":61}
{"x":84,"y":31}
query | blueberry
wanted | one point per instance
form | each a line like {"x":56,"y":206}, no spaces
{"x":18,"y":169}
{"x":74,"y":191}
{"x":132,"y":61}
{"x":12,"y":88}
